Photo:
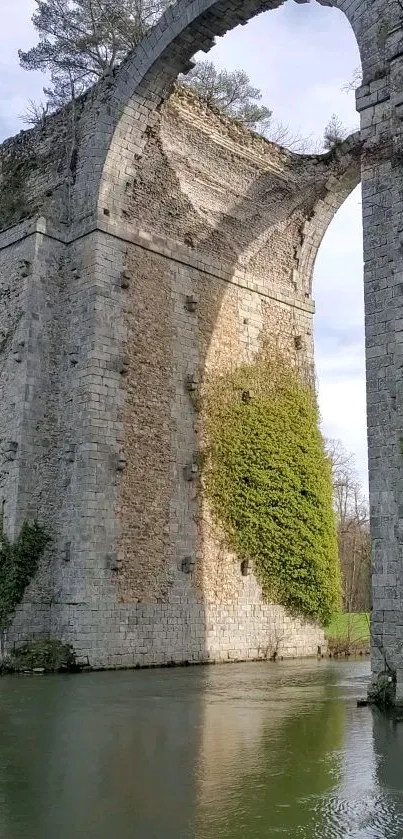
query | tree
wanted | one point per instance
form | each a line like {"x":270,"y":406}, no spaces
{"x":283,"y":135}
{"x":231,"y":92}
{"x":355,"y":82}
{"x":352,"y":517}
{"x":82,"y":40}
{"x":335,"y":133}
{"x":35,"y":113}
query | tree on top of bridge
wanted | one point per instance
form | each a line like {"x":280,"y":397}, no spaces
{"x":231,"y":92}
{"x":81,"y":41}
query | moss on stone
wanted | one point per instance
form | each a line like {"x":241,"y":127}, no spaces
{"x":19,"y":561}
{"x":45,"y":655}
{"x":382,"y":691}
{"x":16,"y":168}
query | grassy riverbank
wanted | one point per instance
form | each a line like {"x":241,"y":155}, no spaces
{"x":349,"y":633}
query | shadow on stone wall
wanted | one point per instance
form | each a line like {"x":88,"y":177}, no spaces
{"x":165,"y":344}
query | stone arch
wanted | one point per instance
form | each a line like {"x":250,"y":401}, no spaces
{"x":344,"y":178}
{"x":127,"y":101}
{"x":338,"y":190}
{"x":127,"y":107}
{"x":113,"y":130}
{"x":312,"y":187}
{"x":103,"y":279}
{"x":318,"y":199}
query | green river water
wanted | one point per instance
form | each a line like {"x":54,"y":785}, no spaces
{"x":248,"y":751}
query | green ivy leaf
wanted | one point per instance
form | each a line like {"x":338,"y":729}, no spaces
{"x":269,"y":483}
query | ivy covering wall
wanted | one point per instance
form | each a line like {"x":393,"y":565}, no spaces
{"x":269,"y":482}
{"x":19,"y":561}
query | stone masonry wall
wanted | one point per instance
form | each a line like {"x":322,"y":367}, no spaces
{"x":94,"y":194}
{"x":233,"y":196}
{"x":212,"y":251}
{"x":110,"y":165}
{"x":146,"y":487}
{"x":38,"y":166}
{"x":31,"y":444}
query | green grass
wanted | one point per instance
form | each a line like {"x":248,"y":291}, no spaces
{"x":353,"y":626}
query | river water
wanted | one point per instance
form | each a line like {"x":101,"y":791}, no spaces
{"x":249,"y":751}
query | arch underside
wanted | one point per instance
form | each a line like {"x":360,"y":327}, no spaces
{"x":229,"y":195}
{"x":147,"y":77}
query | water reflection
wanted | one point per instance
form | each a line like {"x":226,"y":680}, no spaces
{"x":233,"y":752}
{"x":262,"y":753}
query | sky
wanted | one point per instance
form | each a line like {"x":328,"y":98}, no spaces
{"x":300,"y":56}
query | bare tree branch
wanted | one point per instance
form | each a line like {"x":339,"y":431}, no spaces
{"x":352,"y":519}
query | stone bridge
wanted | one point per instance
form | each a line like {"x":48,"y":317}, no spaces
{"x":145,"y":239}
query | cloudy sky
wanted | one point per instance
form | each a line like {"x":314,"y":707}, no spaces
{"x":300,"y":56}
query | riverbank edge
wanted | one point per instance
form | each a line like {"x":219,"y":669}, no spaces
{"x":84,"y":666}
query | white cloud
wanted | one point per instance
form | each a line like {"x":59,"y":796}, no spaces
{"x":339,"y":332}
{"x":343,"y":407}
{"x":299,"y":56}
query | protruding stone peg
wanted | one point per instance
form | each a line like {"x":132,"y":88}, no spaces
{"x":247,"y":396}
{"x":24,"y":267}
{"x":70,"y":453}
{"x":67,"y":552}
{"x":123,"y":365}
{"x":121,"y":462}
{"x":125,"y":278}
{"x":191,"y":302}
{"x":246,"y":567}
{"x":74,"y":351}
{"x":192,"y":382}
{"x":10,"y":449}
{"x":112,"y":562}
{"x":188,"y":564}
{"x":191,"y":471}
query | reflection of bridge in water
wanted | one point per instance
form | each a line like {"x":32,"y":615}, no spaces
{"x":236,"y":752}
{"x":296,"y":757}
{"x":388,"y":746}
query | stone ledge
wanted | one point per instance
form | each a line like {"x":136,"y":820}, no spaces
{"x":155,"y":243}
